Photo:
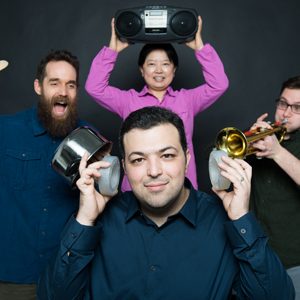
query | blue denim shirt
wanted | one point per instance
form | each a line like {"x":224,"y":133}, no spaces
{"x":35,"y":201}
{"x":197,"y":254}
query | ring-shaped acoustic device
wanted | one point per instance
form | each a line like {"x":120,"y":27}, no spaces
{"x":108,"y":182}
{"x":218,"y":181}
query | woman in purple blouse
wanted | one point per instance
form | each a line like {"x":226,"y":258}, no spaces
{"x":157,"y":63}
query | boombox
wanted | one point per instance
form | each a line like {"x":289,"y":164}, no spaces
{"x":156,"y":24}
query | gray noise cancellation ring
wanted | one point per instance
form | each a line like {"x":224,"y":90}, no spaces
{"x":109,"y":180}
{"x":218,"y":181}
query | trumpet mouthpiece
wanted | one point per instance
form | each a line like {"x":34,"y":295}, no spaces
{"x":284,"y":121}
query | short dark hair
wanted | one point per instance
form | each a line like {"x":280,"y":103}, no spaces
{"x":291,"y":83}
{"x":168,"y":48}
{"x":148,"y":117}
{"x":57,"y":55}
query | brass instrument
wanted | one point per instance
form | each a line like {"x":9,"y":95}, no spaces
{"x":238,"y":144}
{"x":234,"y":143}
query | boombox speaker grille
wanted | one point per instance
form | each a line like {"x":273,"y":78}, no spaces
{"x":183,"y":23}
{"x":128,"y":23}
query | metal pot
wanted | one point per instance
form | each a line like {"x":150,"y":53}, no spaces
{"x":69,"y":153}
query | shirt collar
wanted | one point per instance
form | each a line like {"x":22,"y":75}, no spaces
{"x":133,"y":206}
{"x":188,"y":211}
{"x":294,"y":136}
{"x":145,"y":91}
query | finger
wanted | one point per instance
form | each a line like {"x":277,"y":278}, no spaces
{"x":233,"y":164}
{"x":89,"y":173}
{"x":83,"y":162}
{"x":99,"y":164}
{"x":84,"y":180}
{"x":262,"y":117}
{"x":113,"y":30}
{"x":264,"y":125}
{"x":233,"y":170}
{"x":199,"y":24}
{"x":246,"y":167}
{"x":220,"y":193}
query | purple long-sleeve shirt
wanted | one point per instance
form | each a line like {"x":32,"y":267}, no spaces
{"x":185,"y":102}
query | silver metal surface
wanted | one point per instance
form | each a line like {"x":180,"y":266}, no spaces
{"x":69,"y":153}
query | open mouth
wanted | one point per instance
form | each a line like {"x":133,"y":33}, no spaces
{"x":159,"y":78}
{"x":60,"y":107}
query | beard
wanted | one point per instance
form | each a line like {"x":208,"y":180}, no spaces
{"x":57,"y":126}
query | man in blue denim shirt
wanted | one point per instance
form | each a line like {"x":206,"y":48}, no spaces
{"x":35,"y":202}
{"x":163,"y":240}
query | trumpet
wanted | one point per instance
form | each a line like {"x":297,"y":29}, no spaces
{"x":238,"y":144}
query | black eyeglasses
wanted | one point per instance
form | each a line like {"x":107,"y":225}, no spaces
{"x":283,"y":105}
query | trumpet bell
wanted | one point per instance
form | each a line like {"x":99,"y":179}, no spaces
{"x":232,"y":141}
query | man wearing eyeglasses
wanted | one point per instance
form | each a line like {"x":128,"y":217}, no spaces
{"x":275,"y":194}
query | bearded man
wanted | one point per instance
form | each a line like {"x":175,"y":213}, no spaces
{"x":35,"y":201}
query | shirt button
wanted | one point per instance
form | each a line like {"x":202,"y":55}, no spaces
{"x":43,"y":233}
{"x":45,"y":209}
{"x":41,"y":255}
{"x":23,"y":154}
{"x":243,"y":231}
{"x":49,"y":187}
{"x":73,"y":235}
{"x":153,"y":268}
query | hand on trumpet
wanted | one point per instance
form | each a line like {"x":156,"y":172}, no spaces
{"x":268,"y":146}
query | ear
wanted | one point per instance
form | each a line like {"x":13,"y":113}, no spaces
{"x":37,"y":87}
{"x":124,"y":168}
{"x":188,"y":158}
{"x":142,"y":71}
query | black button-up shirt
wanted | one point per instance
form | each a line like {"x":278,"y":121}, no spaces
{"x":197,"y":254}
